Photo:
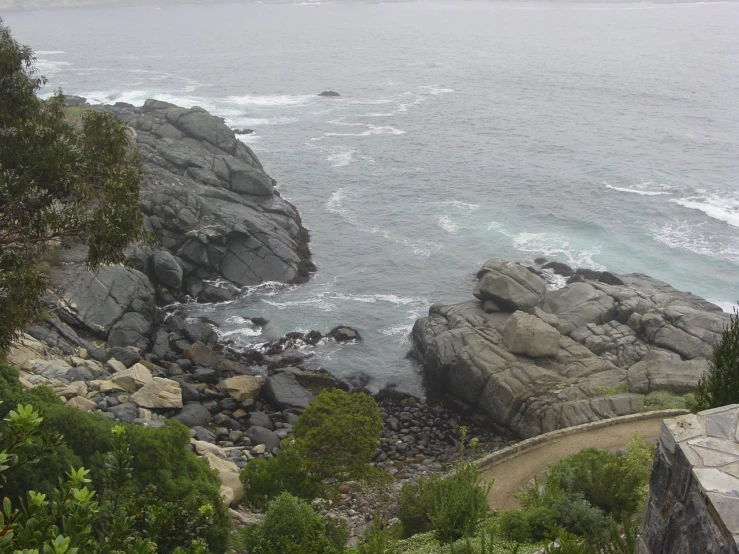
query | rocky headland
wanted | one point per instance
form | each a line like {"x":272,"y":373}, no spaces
{"x":531,"y":358}
{"x":117,"y":342}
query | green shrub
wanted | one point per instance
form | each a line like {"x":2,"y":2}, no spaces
{"x":337,"y":435}
{"x":614,"y":484}
{"x":378,"y":538}
{"x":451,"y":505}
{"x":183,"y":482}
{"x":576,"y":515}
{"x":514,"y":525}
{"x":333,"y":440}
{"x":719,"y":386}
{"x":290,"y":526}
{"x":663,"y":400}
{"x":621,"y":388}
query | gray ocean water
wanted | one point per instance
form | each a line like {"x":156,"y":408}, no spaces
{"x":601,"y":135}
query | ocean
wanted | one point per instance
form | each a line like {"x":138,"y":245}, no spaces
{"x":600,"y":135}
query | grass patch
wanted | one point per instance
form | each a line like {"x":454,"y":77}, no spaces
{"x":74,"y":113}
{"x":621,"y":388}
{"x":663,"y":400}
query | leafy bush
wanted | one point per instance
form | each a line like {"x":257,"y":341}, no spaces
{"x":663,"y":400}
{"x":719,"y":386}
{"x":183,"y":482}
{"x":290,"y":526}
{"x":451,"y":505}
{"x":514,"y":525}
{"x":337,"y":435}
{"x":582,"y":494}
{"x":333,"y":440}
{"x":609,"y":482}
{"x":378,"y":538}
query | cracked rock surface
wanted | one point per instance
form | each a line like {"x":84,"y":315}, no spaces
{"x":617,"y":343}
{"x":209,"y":201}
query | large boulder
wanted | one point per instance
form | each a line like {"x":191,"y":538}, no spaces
{"x":166,"y":269}
{"x":509,"y":285}
{"x":664,"y":370}
{"x":132,"y":379}
{"x":133,"y":329}
{"x":285,"y":392}
{"x":528,"y":335}
{"x":261,"y":435}
{"x":242,"y":387}
{"x":158,"y":393}
{"x":582,"y":303}
{"x":194,"y":415}
{"x":96,"y":301}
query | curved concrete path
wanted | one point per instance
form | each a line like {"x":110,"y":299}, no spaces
{"x":513,"y":474}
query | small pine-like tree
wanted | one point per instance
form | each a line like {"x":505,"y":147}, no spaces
{"x":719,"y":386}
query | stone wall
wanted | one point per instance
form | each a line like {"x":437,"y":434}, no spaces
{"x":693,"y":505}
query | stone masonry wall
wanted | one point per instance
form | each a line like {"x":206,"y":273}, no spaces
{"x":693,"y":505}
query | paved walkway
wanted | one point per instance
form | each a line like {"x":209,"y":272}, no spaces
{"x":512,"y":475}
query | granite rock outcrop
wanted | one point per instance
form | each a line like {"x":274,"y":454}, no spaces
{"x":540,"y":359}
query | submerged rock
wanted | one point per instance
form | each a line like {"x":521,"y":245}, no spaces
{"x":329,"y":93}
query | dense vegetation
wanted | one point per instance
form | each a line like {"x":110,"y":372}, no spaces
{"x":172,"y":496}
{"x":333,"y":440}
{"x":57,"y":184}
{"x":720,"y":384}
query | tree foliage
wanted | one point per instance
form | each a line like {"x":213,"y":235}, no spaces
{"x":719,"y":386}
{"x":291,"y":526}
{"x":333,"y":440}
{"x":57,"y":185}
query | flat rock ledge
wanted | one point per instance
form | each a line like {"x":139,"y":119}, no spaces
{"x":693,"y":501}
{"x":531,"y":359}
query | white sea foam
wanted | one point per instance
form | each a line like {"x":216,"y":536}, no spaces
{"x":244,"y":332}
{"x":727,"y":307}
{"x":464,"y":207}
{"x":49,"y":52}
{"x":340,"y":157}
{"x":375,"y":114}
{"x":335,"y":204}
{"x":435,"y":90}
{"x":259,"y":121}
{"x":557,"y":247}
{"x":49,"y":67}
{"x":371,"y":130}
{"x":553,"y":280}
{"x":250,"y":138}
{"x":714,"y":206}
{"x":687,"y":235}
{"x":447,"y":224}
{"x":642,"y":189}
{"x":271,"y":100}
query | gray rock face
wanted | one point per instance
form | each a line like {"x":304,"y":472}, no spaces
{"x":285,"y":391}
{"x":166,"y":269}
{"x":641,"y":337}
{"x":210,"y":203}
{"x":509,"y":285}
{"x":126,"y":412}
{"x":261,"y":435}
{"x":528,"y":335}
{"x":114,"y":298}
{"x":194,"y":415}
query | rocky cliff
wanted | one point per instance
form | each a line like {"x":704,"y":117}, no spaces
{"x":215,"y":216}
{"x":531,"y":359}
